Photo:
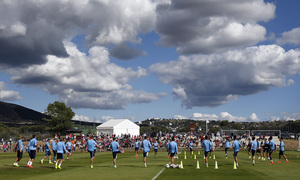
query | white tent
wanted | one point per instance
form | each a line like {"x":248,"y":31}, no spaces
{"x":119,"y":127}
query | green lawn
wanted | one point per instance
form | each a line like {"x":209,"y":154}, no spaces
{"x":131,"y":168}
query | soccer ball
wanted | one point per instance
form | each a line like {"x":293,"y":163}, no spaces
{"x":173,"y":165}
{"x":179,"y":166}
{"x":167,"y":165}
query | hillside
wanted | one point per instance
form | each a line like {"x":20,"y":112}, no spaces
{"x":14,"y":115}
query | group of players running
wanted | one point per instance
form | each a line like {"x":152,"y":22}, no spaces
{"x":61,"y":146}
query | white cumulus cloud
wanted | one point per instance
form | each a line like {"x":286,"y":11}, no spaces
{"x":8,"y":95}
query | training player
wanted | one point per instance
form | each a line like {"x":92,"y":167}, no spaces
{"x":212,"y":148}
{"x":60,"y":149}
{"x":32,"y":150}
{"x":69,"y":147}
{"x":272,"y":148}
{"x":227,"y":146}
{"x":155,"y":147}
{"x":249,"y":147}
{"x":91,"y":144}
{"x":207,"y":147}
{"x":266,"y":149}
{"x":172,"y":149}
{"x":258,"y":150}
{"x":114,"y":145}
{"x":48,"y":152}
{"x":136,"y":147}
{"x":53,"y":145}
{"x":253,"y":149}
{"x":146,"y":148}
{"x":281,"y":152}
{"x":19,"y":151}
{"x":236,"y":148}
{"x":191,"y":145}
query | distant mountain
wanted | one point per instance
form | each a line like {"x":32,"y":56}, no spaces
{"x":15,"y":115}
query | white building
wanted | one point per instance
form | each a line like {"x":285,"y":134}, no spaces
{"x":119,"y":127}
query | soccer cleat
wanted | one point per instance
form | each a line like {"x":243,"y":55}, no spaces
{"x":115,"y":166}
{"x":279,"y":162}
{"x":17,"y":165}
{"x":30,"y":166}
{"x":59,"y":167}
{"x":92,"y":166}
{"x":42,"y":162}
{"x":287,"y":161}
{"x":272,"y":163}
{"x":55,"y":166}
{"x":50,"y":162}
{"x":27,"y":165}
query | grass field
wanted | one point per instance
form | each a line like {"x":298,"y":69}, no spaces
{"x":78,"y":167}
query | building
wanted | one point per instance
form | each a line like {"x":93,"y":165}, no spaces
{"x":119,"y":127}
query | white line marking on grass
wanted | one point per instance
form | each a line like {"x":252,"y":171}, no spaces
{"x":159,"y":172}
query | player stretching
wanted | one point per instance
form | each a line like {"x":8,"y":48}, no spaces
{"x":19,"y":151}
{"x":207,"y":148}
{"x":60,"y":148}
{"x":253,"y":149}
{"x":281,"y":152}
{"x":227,"y":146}
{"x":236,"y":148}
{"x":115,"y":149}
{"x":172,"y":149}
{"x":91,"y":144}
{"x":146,"y":148}
{"x":32,"y":150}
{"x":48,"y":152}
{"x":272,"y":148}
{"x":155,"y":147}
{"x":136,"y":147}
{"x":53,"y":145}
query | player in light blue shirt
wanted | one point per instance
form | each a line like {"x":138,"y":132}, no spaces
{"x":272,"y":147}
{"x":91,"y":144}
{"x":227,"y":146}
{"x":191,"y":145}
{"x":48,"y":152}
{"x":155,"y":147}
{"x":253,"y":149}
{"x":207,"y":147}
{"x":60,"y":149}
{"x":146,"y":148}
{"x":136,"y":147}
{"x":212,"y":148}
{"x":19,"y":151}
{"x":53,"y":145}
{"x":69,"y":147}
{"x":236,"y":148}
{"x":114,"y":146}
{"x":172,"y":149}
{"x":281,"y":152}
{"x":32,"y":150}
{"x":258,"y":149}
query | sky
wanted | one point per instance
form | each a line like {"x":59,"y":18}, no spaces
{"x":138,"y":59}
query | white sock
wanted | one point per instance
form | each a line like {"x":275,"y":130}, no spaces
{"x":253,"y":161}
{"x":206,"y":164}
{"x":237,"y":164}
{"x":30,"y":163}
{"x":59,"y":165}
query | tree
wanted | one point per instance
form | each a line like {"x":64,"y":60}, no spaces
{"x":224,"y":123}
{"x":59,"y":116}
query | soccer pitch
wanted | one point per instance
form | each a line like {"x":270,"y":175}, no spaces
{"x":128,"y":167}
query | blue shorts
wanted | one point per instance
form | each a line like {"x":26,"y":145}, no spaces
{"x":191,"y":149}
{"x":235,"y":153}
{"x":271,"y":151}
{"x":226,"y":150}
{"x":281,"y":152}
{"x":172,"y":154}
{"x":60,"y":156}
{"x":136,"y":148}
{"x":20,"y":154}
{"x":253,"y":152}
{"x":91,"y":154}
{"x":155,"y":150}
{"x":48,"y":153}
{"x":32,"y":154}
{"x":145,"y":154}
{"x":70,"y":150}
{"x":205,"y":153}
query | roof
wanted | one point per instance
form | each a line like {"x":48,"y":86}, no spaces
{"x":115,"y":122}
